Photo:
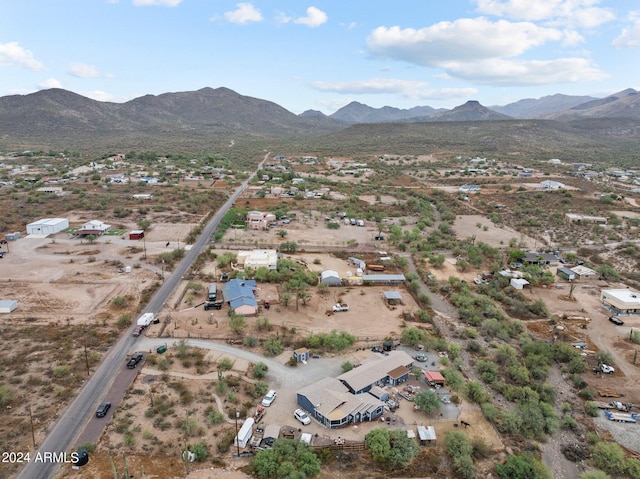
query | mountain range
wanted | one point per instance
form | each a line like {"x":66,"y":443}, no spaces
{"x":60,"y":118}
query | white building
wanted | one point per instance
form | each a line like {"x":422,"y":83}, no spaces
{"x":47,"y":226}
{"x":551,"y":185}
{"x":258,"y":258}
{"x":330,"y":278}
{"x":8,"y":305}
{"x":624,"y":301}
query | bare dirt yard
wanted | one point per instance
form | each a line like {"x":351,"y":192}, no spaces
{"x":487,"y":232}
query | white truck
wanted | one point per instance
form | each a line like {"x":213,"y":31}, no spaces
{"x":338,"y":308}
{"x":145,"y":320}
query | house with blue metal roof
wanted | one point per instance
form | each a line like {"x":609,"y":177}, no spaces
{"x":241,"y":296}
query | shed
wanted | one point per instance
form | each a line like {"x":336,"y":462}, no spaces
{"x":136,"y":234}
{"x":306,"y":437}
{"x":392,"y":297}
{"x":47,"y":226}
{"x":383,"y":278}
{"x":330,"y":278}
{"x":519,"y":283}
{"x":434,"y":377}
{"x":566,"y":273}
{"x":8,"y":305}
{"x":427,"y":435}
{"x":301,"y":355}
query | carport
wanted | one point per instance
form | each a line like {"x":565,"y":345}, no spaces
{"x":392,"y":297}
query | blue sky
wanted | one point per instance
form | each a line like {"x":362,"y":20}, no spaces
{"x":323,"y":54}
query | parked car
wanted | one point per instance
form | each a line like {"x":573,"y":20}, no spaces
{"x":212,"y":305}
{"x":269,"y":398}
{"x":616,"y":320}
{"x":419,"y":347}
{"x":337,"y":308}
{"x":605,"y":368}
{"x":301,"y":416}
{"x":138,"y":331}
{"x":134,"y":360}
{"x":421,"y":357}
{"x":103,"y":409}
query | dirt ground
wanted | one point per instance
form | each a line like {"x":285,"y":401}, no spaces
{"x":488,"y":233}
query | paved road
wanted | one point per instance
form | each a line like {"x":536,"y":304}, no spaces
{"x":72,"y":422}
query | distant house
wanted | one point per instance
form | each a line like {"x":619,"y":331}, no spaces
{"x":51,"y":190}
{"x":258,"y":258}
{"x":551,"y":185}
{"x":469,"y":189}
{"x":572,"y":217}
{"x":540,"y":258}
{"x":240,"y":294}
{"x":330,"y":278}
{"x":93,"y":227}
{"x":582,"y":272}
{"x":257,"y":220}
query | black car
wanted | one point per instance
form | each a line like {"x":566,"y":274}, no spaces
{"x":134,"y":360}
{"x":212,"y":305}
{"x":103,"y":409}
{"x":615,"y":320}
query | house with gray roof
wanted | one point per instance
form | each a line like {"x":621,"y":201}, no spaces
{"x":240,"y":294}
{"x":378,"y":370}
{"x":356,"y":395}
{"x":330,"y":402}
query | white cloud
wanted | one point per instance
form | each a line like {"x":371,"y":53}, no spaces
{"x":576,"y":13}
{"x":282,"y":17}
{"x":49,"y":83}
{"x":315,"y":17}
{"x":161,"y":3}
{"x":12,"y":54}
{"x":520,"y":73}
{"x":630,"y":37}
{"x":466,"y":39}
{"x":82,"y":70}
{"x":99,"y":95}
{"x":406,"y":88}
{"x":245,"y":13}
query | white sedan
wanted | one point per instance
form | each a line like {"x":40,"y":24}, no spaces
{"x":301,"y":416}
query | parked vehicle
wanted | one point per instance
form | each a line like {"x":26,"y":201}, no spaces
{"x":301,"y":416}
{"x":212,"y":305}
{"x":138,"y":331}
{"x":213,"y":292}
{"x":606,"y":369}
{"x":134,"y":360}
{"x":269,"y":398}
{"x":421,"y":357}
{"x":103,"y":409}
{"x":145,"y":320}
{"x":337,"y":308}
{"x":616,"y":320}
